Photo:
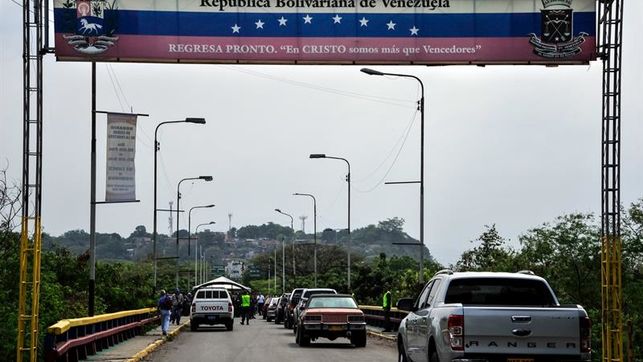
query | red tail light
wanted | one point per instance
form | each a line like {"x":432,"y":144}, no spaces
{"x":585,"y":334}
{"x":193,"y":307}
{"x":456,"y":332}
{"x":229,"y":307}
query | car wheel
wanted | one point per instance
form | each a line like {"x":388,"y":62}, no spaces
{"x":193,"y":326}
{"x":304,"y":340}
{"x":294,"y":329}
{"x":229,"y":325}
{"x":359,"y":339}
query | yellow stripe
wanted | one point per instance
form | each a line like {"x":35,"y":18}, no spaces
{"x":65,"y":324}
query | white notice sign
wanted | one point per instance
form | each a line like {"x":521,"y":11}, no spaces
{"x":121,"y":148}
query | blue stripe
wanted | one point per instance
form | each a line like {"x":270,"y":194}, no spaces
{"x":220,"y":23}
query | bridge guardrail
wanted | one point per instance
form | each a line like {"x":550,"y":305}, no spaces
{"x":74,"y":339}
{"x":375,"y":316}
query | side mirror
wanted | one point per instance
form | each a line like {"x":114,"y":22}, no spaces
{"x":405,"y":304}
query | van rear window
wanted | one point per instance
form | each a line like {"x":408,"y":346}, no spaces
{"x":499,"y":291}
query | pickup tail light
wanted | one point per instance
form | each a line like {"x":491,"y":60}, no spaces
{"x":456,"y":331}
{"x":229,"y":307}
{"x":585,"y":334}
{"x":193,"y":307}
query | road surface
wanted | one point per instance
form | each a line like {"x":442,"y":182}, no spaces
{"x":265,"y":342}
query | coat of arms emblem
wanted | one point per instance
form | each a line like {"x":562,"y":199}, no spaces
{"x":94,"y":26}
{"x":557,"y":38}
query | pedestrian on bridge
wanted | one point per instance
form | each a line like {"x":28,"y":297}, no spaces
{"x":245,"y":308}
{"x":260,"y":301}
{"x":386,"y":306}
{"x":165,"y":306}
{"x":177,"y":306}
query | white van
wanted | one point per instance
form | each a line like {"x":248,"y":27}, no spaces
{"x":211,"y":306}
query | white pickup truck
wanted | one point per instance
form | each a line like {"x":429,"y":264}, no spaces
{"x":212,"y":306}
{"x":490,"y":317}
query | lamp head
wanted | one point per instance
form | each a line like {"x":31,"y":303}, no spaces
{"x":206,"y":178}
{"x":211,"y":223}
{"x":195,"y":120}
{"x":317,"y":155}
{"x":211,"y":205}
{"x":277,"y":210}
{"x":370,"y":71}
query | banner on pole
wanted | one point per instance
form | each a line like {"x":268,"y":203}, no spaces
{"x":328,"y":31}
{"x":121,"y":150}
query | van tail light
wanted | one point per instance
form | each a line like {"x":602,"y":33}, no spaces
{"x":585,"y":334}
{"x":193,"y":307}
{"x":456,"y":332}
{"x":229,"y":307}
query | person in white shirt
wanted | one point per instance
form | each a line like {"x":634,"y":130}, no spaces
{"x":260,"y":301}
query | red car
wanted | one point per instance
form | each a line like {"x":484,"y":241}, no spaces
{"x":331,"y":316}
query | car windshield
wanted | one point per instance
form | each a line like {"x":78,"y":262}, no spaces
{"x":332,"y":302}
{"x":308,"y":293}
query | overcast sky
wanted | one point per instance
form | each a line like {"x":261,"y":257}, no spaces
{"x":514,"y":146}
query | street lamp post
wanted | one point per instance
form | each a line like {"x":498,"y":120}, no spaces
{"x":190,"y":223}
{"x":421,"y":108}
{"x":156,"y":149}
{"x":196,"y":250}
{"x":294,"y":275}
{"x":348,"y":180}
{"x":314,"y":232}
{"x":178,"y":207}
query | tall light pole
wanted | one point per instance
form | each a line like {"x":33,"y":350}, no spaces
{"x":314,"y":231}
{"x":421,"y":108}
{"x":196,"y":250}
{"x":348,"y":180}
{"x":178,"y":207}
{"x":156,"y":149}
{"x":190,"y":223}
{"x":294,"y":274}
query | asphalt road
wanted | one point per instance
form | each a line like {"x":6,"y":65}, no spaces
{"x":265,"y":342}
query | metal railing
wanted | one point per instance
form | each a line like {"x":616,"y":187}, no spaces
{"x":74,"y":339}
{"x":375,"y":316}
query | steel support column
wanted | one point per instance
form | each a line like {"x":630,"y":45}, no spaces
{"x":610,"y":22}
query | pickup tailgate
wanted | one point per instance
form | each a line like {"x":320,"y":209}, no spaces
{"x":211,"y":307}
{"x":521,"y":330}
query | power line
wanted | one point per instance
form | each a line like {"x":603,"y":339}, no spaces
{"x":406,"y":136}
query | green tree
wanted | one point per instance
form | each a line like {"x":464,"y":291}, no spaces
{"x":491,"y":255}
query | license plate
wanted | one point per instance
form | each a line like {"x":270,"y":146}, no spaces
{"x":520,"y":360}
{"x":213,"y":317}
{"x":335,"y":328}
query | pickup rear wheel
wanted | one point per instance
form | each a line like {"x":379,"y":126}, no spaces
{"x":193,"y":326}
{"x":229,"y":325}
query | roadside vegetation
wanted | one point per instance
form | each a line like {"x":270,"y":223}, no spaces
{"x":565,"y":251}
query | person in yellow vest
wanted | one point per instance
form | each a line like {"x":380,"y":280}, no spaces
{"x":386,"y":306}
{"x":245,"y":307}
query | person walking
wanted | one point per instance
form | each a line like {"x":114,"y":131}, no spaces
{"x":178,"y":305}
{"x":165,"y":306}
{"x":260,"y":301}
{"x":245,"y":308}
{"x":386,"y":306}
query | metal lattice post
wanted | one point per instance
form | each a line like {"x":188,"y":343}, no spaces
{"x":31,"y":230}
{"x":610,"y":48}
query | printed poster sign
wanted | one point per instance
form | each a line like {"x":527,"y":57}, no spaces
{"x":121,"y":149}
{"x":328,"y":31}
